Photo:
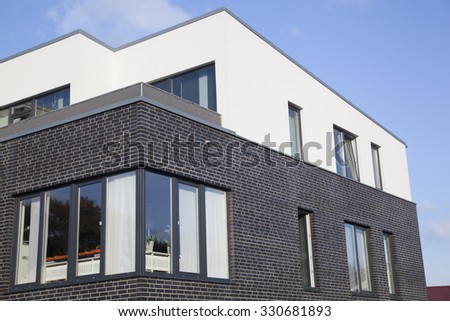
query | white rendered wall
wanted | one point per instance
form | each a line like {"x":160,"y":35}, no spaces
{"x":254,"y":85}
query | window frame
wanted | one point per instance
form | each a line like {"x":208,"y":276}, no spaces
{"x":389,"y":261}
{"x":170,"y":79}
{"x":140,"y":269}
{"x":298,"y":131}
{"x":345,"y":169}
{"x":307,"y":252}
{"x":355,"y":251}
{"x":376,"y":163}
{"x":32,"y":100}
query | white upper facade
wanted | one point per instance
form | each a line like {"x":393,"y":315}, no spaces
{"x":255,"y":84}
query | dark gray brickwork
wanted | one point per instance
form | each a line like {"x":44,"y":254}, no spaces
{"x":265,"y":257}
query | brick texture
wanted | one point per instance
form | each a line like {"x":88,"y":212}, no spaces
{"x":265,"y":255}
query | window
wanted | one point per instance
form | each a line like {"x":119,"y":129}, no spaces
{"x":199,"y":238}
{"x":28,"y":240}
{"x":295,"y":131}
{"x":92,"y":231}
{"x":358,"y":258}
{"x":198,"y":86}
{"x":387,"y":239}
{"x":35,"y":106}
{"x":4,"y":117}
{"x":346,"y":159}
{"x":306,"y":250}
{"x":376,"y":166}
{"x":90,"y":208}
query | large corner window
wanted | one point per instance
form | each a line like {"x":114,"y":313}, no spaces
{"x":376,"y":166}
{"x":92,"y":230}
{"x":357,"y":258}
{"x":306,"y":249}
{"x":346,"y":154}
{"x":198,"y":86}
{"x":387,"y":240}
{"x":295,"y":131}
{"x":35,"y":106}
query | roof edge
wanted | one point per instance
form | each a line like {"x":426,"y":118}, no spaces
{"x":263,"y":38}
{"x":193,"y":20}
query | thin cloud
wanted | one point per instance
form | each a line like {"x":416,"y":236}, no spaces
{"x":294,"y":30}
{"x":116,"y":22}
{"x":426,"y":207}
{"x":438,"y":229}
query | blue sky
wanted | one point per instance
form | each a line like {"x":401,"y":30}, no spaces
{"x":391,"y":58}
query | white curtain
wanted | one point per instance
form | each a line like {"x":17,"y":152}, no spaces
{"x":28,"y":252}
{"x":216,"y":233}
{"x":121,"y":224}
{"x":188,"y":212}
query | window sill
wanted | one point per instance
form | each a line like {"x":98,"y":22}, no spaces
{"x":364,"y":294}
{"x":312,"y":289}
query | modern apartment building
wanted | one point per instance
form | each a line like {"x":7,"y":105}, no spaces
{"x":199,"y":163}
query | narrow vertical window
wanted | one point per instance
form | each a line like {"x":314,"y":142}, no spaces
{"x":345,"y":153}
{"x":216,"y":233}
{"x":306,"y":250}
{"x":376,"y":166}
{"x":29,"y":212}
{"x":120,"y":247}
{"x":295,"y":131}
{"x":357,"y":258}
{"x":189,"y":229}
{"x":158,"y":223}
{"x":89,"y":229}
{"x":56,"y":249}
{"x":387,"y":238}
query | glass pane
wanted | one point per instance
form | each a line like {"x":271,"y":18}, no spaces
{"x":389,"y":263}
{"x":89,"y":231}
{"x":4,"y":117}
{"x":363,"y":259}
{"x":376,"y":167}
{"x":53,"y":101}
{"x":350,"y":157}
{"x":163,"y":84}
{"x":157,"y":223}
{"x":212,"y":104}
{"x":306,"y":250}
{"x":351,"y":257}
{"x":339,"y":153}
{"x":188,"y":220}
{"x":56,"y":251}
{"x":294,"y":131}
{"x":28,"y":240}
{"x":120,"y":223}
{"x":216,"y":233}
{"x":187,"y":86}
{"x":21,"y":108}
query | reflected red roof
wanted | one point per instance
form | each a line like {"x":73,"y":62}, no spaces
{"x":438,"y":293}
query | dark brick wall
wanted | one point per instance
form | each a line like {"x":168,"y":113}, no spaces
{"x":265,"y":260}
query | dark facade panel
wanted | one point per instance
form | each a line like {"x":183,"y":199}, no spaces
{"x":264,"y":189}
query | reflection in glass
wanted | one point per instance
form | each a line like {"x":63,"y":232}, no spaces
{"x":294,"y":131}
{"x":28,"y":240}
{"x":57,"y":240}
{"x":53,"y":101}
{"x":198,"y":86}
{"x":4,"y":117}
{"x":188,"y":220}
{"x":157,"y":223}
{"x":358,"y":258}
{"x":351,"y":257}
{"x":389,"y":262}
{"x":89,"y":231}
